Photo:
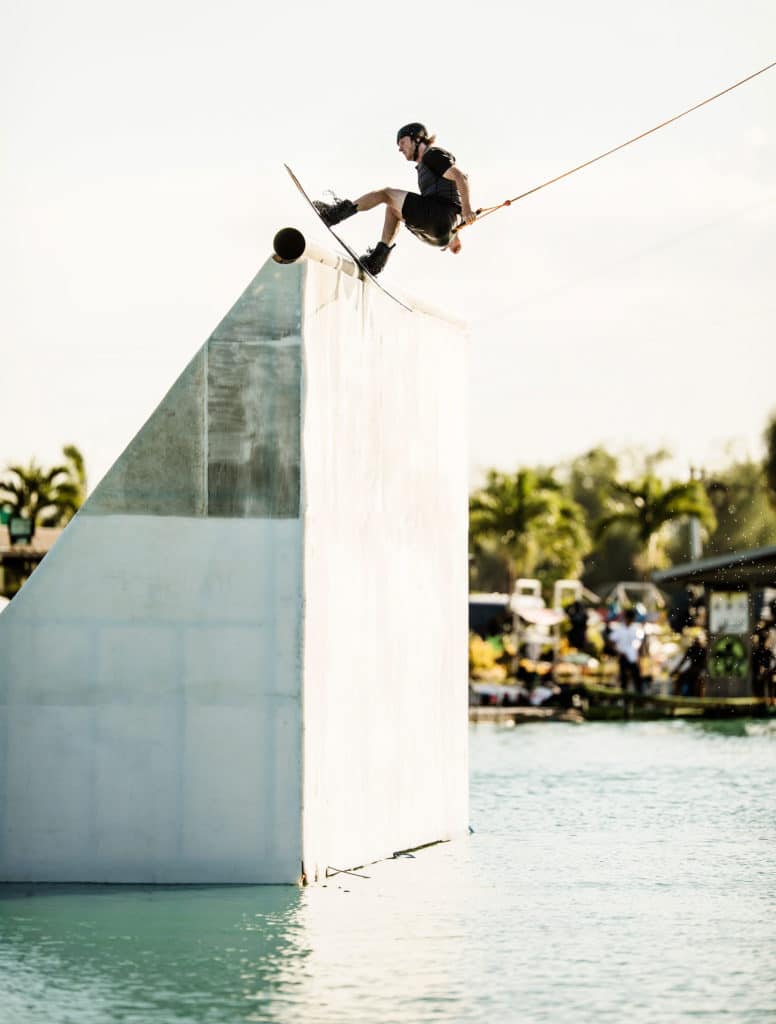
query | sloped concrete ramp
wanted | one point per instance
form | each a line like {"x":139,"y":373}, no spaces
{"x":245,"y":659}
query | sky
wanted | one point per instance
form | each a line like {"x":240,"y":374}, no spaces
{"x":632,"y":304}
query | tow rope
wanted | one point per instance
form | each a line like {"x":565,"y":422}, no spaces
{"x":485,"y":211}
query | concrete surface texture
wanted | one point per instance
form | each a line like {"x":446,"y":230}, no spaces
{"x":244,"y":660}
{"x":385,"y":577}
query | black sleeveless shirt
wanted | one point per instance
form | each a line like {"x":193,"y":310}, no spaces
{"x":434,"y":163}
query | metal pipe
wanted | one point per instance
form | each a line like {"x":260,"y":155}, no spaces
{"x":290,"y":245}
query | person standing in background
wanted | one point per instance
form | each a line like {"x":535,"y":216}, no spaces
{"x":628,"y":642}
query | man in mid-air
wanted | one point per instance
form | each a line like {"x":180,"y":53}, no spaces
{"x":432,"y":216}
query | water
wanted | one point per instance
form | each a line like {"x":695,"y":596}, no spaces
{"x":619,"y":872}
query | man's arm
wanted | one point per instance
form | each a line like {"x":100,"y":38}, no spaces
{"x":462,"y":184}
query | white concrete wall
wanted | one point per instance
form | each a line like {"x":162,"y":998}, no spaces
{"x":385,"y":621}
{"x":150,"y":670}
{"x":198,"y":685}
{"x":150,"y":705}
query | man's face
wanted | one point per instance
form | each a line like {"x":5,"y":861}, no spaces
{"x":407,"y":147}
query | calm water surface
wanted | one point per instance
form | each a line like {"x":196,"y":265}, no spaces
{"x":617,"y":873}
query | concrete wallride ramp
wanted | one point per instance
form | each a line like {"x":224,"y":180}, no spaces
{"x":245,"y":658}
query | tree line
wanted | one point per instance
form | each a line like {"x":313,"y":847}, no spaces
{"x":588,"y":518}
{"x":603,"y":517}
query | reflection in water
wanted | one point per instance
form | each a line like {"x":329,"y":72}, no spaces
{"x":618,"y":871}
{"x":109,"y":953}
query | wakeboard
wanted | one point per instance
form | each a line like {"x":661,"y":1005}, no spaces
{"x":356,"y":259}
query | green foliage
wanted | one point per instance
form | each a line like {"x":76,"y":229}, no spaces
{"x":770,"y":458}
{"x":70,"y":490}
{"x":47,"y":497}
{"x":490,"y":569}
{"x":589,"y":479}
{"x":739,"y":495}
{"x":646,"y":506}
{"x":537,"y":522}
{"x":528,"y":522}
{"x":589,"y":484}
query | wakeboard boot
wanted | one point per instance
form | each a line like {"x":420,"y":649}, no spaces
{"x":336,"y":211}
{"x":375,"y":259}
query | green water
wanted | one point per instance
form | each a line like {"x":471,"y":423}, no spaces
{"x":618,"y":872}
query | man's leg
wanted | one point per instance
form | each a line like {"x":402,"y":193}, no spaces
{"x":391,"y":225}
{"x":392,"y":197}
{"x":394,"y":200}
{"x":639,"y":682}
{"x":624,"y":673}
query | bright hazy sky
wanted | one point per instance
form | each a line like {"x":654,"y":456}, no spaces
{"x":141,"y":183}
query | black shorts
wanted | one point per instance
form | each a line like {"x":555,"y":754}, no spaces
{"x":430,"y":220}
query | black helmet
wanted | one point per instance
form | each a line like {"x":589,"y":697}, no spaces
{"x":415,"y":130}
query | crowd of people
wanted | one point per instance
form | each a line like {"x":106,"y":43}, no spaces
{"x":671,"y":656}
{"x":627,"y":639}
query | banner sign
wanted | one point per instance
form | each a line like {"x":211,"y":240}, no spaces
{"x":729,"y":612}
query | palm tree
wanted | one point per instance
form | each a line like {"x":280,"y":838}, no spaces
{"x":46,"y":497}
{"x":31,"y":492}
{"x":648,"y":505}
{"x":529,"y":520}
{"x":70,"y":492}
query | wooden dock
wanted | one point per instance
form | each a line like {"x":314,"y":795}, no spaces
{"x":520,"y":715}
{"x":607,"y":703}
